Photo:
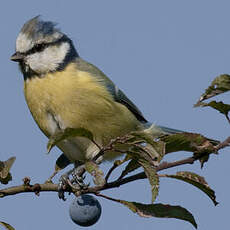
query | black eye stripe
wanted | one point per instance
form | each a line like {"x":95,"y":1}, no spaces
{"x":41,"y":46}
{"x":37,"y":48}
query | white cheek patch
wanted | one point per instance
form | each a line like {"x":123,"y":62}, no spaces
{"x":23,"y":43}
{"x":49,"y":59}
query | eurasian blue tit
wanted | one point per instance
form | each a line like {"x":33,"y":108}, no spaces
{"x":62,"y":90}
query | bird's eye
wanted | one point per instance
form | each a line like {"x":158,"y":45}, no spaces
{"x":38,"y":47}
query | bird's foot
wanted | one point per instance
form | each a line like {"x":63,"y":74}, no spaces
{"x":78,"y":177}
{"x":62,"y":186}
{"x":76,"y":183}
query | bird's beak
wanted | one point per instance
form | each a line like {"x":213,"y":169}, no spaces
{"x":17,"y":57}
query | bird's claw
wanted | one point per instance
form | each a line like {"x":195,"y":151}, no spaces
{"x":76,"y":183}
{"x":78,"y":177}
{"x":62,"y":185}
{"x":79,"y":180}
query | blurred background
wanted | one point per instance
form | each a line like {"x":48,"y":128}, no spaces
{"x":162,"y":54}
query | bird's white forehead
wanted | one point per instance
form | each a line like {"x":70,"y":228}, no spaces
{"x":25,"y":42}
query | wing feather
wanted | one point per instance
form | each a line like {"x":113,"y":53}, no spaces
{"x":117,"y":94}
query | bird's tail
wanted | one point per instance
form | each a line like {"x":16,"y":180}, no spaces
{"x":162,"y":130}
{"x":169,"y":130}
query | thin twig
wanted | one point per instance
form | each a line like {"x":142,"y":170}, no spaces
{"x":166,"y":165}
{"x":225,"y":143}
{"x":110,"y":172}
{"x":106,"y":197}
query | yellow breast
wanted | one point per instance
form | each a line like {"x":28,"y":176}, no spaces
{"x":75,"y":99}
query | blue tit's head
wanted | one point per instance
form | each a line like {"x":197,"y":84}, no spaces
{"x":42,"y":48}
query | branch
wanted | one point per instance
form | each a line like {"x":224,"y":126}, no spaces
{"x":36,"y":188}
{"x":50,"y":187}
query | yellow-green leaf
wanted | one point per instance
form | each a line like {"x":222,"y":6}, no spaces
{"x":7,"y":179}
{"x":68,"y":133}
{"x":122,"y":161}
{"x":7,"y":226}
{"x":219,"y":106}
{"x":156,"y":149}
{"x":220,"y":84}
{"x":5,"y":167}
{"x":197,"y":181}
{"x":190,"y":142}
{"x":142,"y":145}
{"x":159,"y":210}
{"x":152,"y":176}
{"x":96,"y":172}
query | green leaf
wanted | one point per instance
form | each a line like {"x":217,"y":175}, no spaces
{"x":219,"y":106}
{"x":122,"y":161}
{"x":220,"y":84}
{"x":68,"y":133}
{"x":141,"y":144}
{"x":5,"y":167}
{"x":159,"y":210}
{"x":152,"y":176}
{"x":130,"y":167}
{"x":7,"y":226}
{"x":7,"y":179}
{"x":96,"y":172}
{"x":190,"y":142}
{"x":156,"y":149}
{"x":197,"y":181}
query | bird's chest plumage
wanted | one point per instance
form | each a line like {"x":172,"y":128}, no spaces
{"x":72,"y":99}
